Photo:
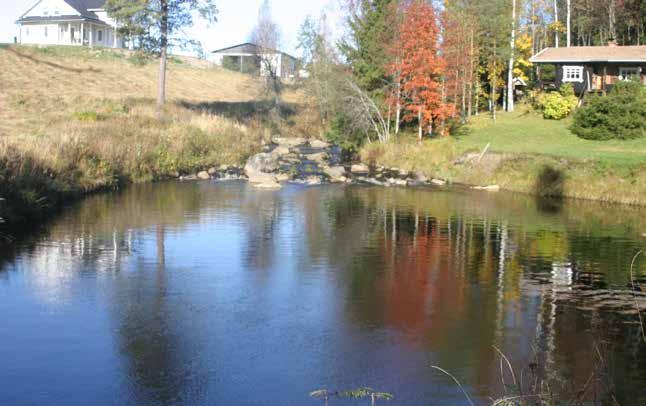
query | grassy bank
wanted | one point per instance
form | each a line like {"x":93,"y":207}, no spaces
{"x":526,"y":154}
{"x":75,"y":120}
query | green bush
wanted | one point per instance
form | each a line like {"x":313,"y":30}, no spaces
{"x":557,"y":106}
{"x":619,"y":115}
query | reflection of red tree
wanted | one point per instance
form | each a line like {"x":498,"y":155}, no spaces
{"x":427,"y":293}
{"x":415,"y":263}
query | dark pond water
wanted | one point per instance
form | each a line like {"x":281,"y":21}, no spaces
{"x":215,"y":293}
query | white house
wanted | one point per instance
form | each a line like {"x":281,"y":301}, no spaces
{"x":68,"y":22}
{"x":247,"y":58}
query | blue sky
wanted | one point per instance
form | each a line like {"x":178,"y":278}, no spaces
{"x":236,"y":20}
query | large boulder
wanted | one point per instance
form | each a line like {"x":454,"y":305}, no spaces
{"x":204,"y":175}
{"x":263,"y":180}
{"x":258,"y":169}
{"x":336,"y":173}
{"x":263,"y":162}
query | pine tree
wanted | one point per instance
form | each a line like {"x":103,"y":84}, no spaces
{"x":365,"y":49}
{"x":155,"y":23}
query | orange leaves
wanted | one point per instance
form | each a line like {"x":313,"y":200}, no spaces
{"x":419,"y":65}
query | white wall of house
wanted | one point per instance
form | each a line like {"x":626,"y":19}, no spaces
{"x":47,"y":34}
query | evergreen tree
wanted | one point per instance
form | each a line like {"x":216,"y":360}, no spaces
{"x":158,"y":24}
{"x":370,"y":30}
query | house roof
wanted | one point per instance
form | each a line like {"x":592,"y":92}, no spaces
{"x":83,"y":7}
{"x":635,"y":53}
{"x":248,"y":48}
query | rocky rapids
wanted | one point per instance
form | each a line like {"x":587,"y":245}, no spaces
{"x":309,"y":162}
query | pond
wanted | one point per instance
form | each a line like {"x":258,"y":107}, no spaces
{"x":217,"y":293}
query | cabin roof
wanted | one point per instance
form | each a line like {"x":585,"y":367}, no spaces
{"x":248,"y":48}
{"x":634,"y":53}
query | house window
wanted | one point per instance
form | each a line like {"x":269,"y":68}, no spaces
{"x":46,"y":32}
{"x":100,"y":35}
{"x":26,"y":32}
{"x":628,"y":73}
{"x":573,"y":74}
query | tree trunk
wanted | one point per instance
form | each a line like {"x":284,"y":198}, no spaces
{"x":612,"y":19}
{"x":556,"y":20}
{"x":471,"y":57}
{"x":569,"y":23}
{"x":510,"y":73}
{"x":420,"y":129}
{"x":163,"y":60}
{"x":398,"y":113}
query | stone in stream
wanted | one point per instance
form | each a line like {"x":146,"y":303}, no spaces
{"x":360,"y":169}
{"x":282,"y":177}
{"x":212,"y":171}
{"x":336,"y":173}
{"x":438,"y":182}
{"x":288,"y":142}
{"x":319,"y":144}
{"x":263,"y":162}
{"x":317,"y":157}
{"x":258,"y":169}
{"x":203,"y":175}
{"x":421,"y":177}
{"x":281,"y":150}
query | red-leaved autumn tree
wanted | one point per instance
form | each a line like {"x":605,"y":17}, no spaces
{"x":421,"y":68}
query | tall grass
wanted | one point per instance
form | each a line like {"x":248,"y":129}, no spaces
{"x":108,"y":144}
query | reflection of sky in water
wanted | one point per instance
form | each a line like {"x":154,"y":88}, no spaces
{"x":204,"y":292}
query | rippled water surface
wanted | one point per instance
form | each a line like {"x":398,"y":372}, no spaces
{"x":215,"y":293}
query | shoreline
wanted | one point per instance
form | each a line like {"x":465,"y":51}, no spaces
{"x":317,"y":163}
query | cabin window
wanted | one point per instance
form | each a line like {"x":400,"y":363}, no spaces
{"x":26,"y":32}
{"x":573,"y":74}
{"x":100,"y":35}
{"x":46,"y":32}
{"x":628,"y":73}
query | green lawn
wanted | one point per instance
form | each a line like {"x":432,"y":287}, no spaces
{"x":529,"y":133}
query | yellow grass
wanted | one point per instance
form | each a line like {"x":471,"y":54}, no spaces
{"x":74,"y":120}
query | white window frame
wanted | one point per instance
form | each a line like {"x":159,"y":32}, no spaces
{"x":623,"y":69}
{"x":573,"y":74}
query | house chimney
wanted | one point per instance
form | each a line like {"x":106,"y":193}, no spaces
{"x":612,"y":43}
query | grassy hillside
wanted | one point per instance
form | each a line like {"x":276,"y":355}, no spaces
{"x":527,"y":154}
{"x":75,"y":120}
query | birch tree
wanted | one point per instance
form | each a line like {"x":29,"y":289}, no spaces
{"x":512,"y":46}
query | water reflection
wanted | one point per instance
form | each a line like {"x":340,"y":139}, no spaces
{"x":205,"y":292}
